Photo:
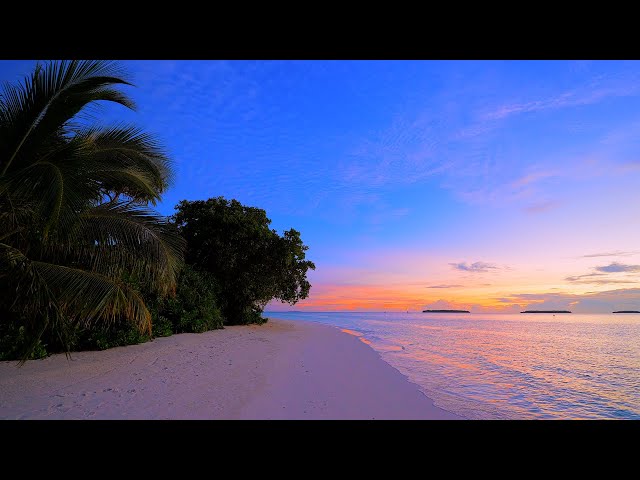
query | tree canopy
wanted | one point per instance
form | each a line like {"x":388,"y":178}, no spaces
{"x":74,"y":205}
{"x":251,"y":263}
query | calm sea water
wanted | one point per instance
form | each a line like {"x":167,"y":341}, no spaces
{"x":508,"y":366}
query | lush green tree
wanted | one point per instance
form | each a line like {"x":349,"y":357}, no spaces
{"x":251,"y":263}
{"x":74,"y":206}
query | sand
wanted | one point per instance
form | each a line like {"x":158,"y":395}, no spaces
{"x":281,"y":370}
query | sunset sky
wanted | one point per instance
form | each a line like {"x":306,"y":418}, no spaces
{"x":487,"y":185}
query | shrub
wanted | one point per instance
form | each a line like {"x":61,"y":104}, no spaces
{"x":104,"y":337}
{"x":194,"y":309}
{"x":162,"y":326}
{"x":14,"y":342}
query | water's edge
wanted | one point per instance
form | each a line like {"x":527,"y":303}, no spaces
{"x":506,"y":366}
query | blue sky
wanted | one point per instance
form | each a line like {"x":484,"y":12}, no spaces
{"x":398,"y":172}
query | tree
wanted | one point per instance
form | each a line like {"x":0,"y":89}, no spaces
{"x":74,"y":205}
{"x":251,"y":263}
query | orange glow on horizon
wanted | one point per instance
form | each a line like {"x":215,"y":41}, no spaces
{"x":395,"y":298}
{"x":415,"y":297}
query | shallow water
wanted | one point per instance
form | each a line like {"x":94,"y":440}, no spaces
{"x":508,"y":366}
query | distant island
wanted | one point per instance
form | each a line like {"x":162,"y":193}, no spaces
{"x":446,"y":311}
{"x":627,"y":311}
{"x":546,"y":311}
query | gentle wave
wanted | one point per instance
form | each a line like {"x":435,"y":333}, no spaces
{"x":504,"y":366}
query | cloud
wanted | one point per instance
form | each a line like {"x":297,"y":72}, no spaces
{"x":601,"y":274}
{"x":631,"y":166}
{"x":617,"y":253}
{"x":445,"y":286}
{"x":362,"y":297}
{"x":616,"y":267}
{"x":531,"y":178}
{"x":572,"y":98}
{"x":602,"y":281}
{"x":453,"y":138}
{"x":508,"y":110}
{"x":594,"y":302}
{"x":542,"y":206}
{"x":476,"y":267}
{"x":403,"y":153}
{"x":579,"y":278}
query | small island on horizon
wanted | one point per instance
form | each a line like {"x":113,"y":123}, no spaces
{"x":627,"y":311}
{"x":546,"y":311}
{"x":446,"y":311}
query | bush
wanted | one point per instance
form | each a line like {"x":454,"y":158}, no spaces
{"x":103,"y":337}
{"x":162,"y":326}
{"x":194,"y":309}
{"x":14,"y":342}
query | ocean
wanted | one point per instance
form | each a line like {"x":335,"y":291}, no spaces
{"x":508,"y":366}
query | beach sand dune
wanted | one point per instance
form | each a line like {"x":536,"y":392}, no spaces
{"x":280,"y":370}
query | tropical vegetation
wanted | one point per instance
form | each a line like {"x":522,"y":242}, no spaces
{"x":85,"y":261}
{"x":251,"y":262}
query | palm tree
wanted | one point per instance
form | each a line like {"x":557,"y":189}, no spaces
{"x":75,"y":217}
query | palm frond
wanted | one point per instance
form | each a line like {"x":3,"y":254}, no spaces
{"x":30,"y":297}
{"x":122,"y":237}
{"x":44,"y":103}
{"x":54,"y":189}
{"x":89,"y":296}
{"x":82,"y":296}
{"x":127,"y":147}
{"x":66,"y":255}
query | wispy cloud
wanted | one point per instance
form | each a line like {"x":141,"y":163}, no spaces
{"x":629,"y":167}
{"x":616,"y":267}
{"x":507,"y":110}
{"x":325,"y":296}
{"x":584,"y":96}
{"x":596,"y":279}
{"x":617,"y":253}
{"x":624,"y":298}
{"x":604,"y":281}
{"x":580,"y":278}
{"x":406,"y":152}
{"x":476,"y":267}
{"x":532,"y":177}
{"x":463,"y":150}
{"x":543,"y":206}
{"x":602,"y":275}
{"x":445,"y":286}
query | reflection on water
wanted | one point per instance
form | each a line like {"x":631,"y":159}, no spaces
{"x":508,"y":366}
{"x":356,"y":334}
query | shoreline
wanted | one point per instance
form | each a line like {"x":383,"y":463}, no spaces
{"x":284,"y":369}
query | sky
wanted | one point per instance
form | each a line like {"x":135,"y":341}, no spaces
{"x":486,"y":185}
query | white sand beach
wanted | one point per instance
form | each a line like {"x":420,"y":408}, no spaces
{"x":280,"y":370}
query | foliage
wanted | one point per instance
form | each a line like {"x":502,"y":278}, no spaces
{"x":74,"y":208}
{"x":162,"y":326}
{"x":84,"y":261}
{"x":194,"y":308}
{"x":13,"y":342}
{"x":250,"y":262}
{"x":101,"y":337}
